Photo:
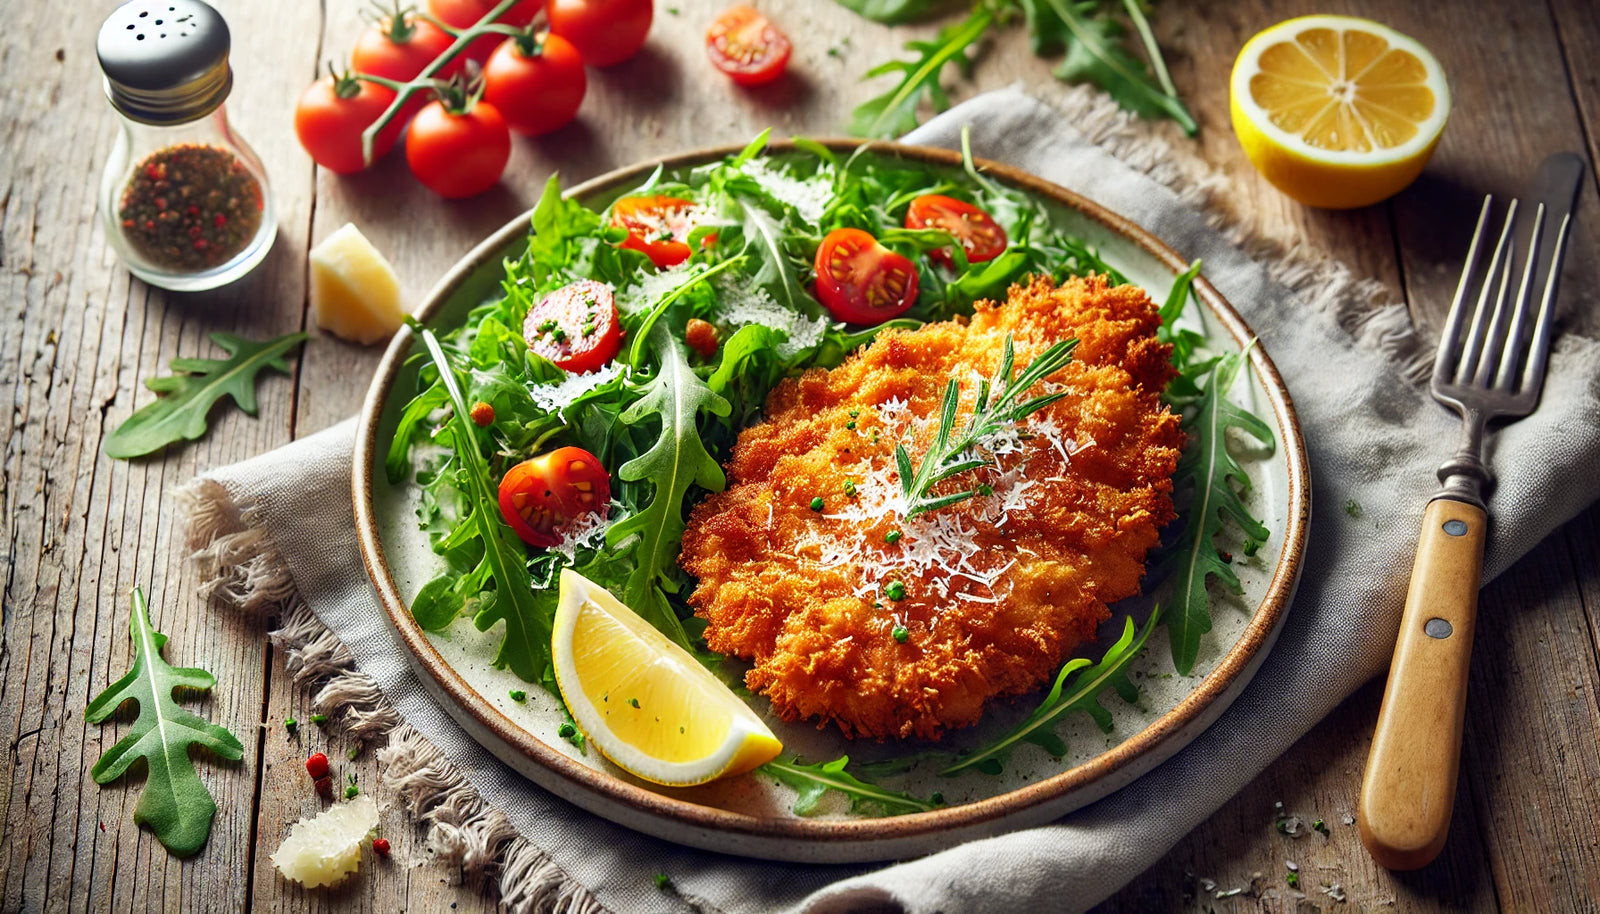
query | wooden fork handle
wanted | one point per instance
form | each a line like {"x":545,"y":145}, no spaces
{"x":1409,"y":787}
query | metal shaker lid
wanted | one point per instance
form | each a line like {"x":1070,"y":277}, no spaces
{"x":165,"y":61}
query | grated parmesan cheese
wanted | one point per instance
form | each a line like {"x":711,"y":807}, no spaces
{"x":557,"y":396}
{"x":740,"y":306}
{"x":808,"y":196}
{"x":587,"y":532}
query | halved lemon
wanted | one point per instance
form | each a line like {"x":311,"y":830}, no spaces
{"x":1337,"y":111}
{"x":644,"y":701}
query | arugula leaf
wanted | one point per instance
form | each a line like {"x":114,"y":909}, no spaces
{"x":1215,"y":481}
{"x":892,"y":12}
{"x":174,"y":803}
{"x":528,"y":615}
{"x":1088,"y":681}
{"x":812,"y":783}
{"x":895,"y":111}
{"x":188,"y":396}
{"x":1095,"y":55}
{"x":678,"y":459}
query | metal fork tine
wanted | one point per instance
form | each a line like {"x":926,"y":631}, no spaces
{"x":1533,"y":376}
{"x":1450,"y":340}
{"x":1468,"y":364}
{"x":1514,"y":346}
{"x":1495,"y":339}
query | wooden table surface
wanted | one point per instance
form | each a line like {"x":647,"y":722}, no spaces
{"x":78,"y":336}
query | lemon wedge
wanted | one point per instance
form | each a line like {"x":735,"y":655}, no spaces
{"x":1337,"y":111}
{"x":644,"y":701}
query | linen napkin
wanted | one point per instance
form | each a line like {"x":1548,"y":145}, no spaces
{"x":1373,"y":435}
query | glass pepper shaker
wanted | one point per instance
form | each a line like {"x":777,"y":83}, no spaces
{"x":185,"y":200}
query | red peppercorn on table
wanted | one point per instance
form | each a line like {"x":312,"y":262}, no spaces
{"x":79,"y":336}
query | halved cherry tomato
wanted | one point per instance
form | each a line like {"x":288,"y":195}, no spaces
{"x":658,"y":227}
{"x":747,"y":47}
{"x":535,"y":92}
{"x":576,"y":326}
{"x":862,"y":282}
{"x":540,"y":496}
{"x":980,"y":236}
{"x":605,"y":32}
{"x":332,"y":113}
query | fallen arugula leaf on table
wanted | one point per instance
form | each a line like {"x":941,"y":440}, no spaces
{"x":1089,"y":679}
{"x":812,"y":782}
{"x":174,"y":803}
{"x":187,"y":397}
{"x":1087,"y":33}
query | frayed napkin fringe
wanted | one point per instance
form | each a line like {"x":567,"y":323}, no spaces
{"x":240,"y":567}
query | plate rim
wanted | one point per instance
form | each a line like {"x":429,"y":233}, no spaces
{"x":609,"y":790}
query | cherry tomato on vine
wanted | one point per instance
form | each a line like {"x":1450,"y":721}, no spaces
{"x":460,"y":14}
{"x":332,"y":112}
{"x":536,"y":84}
{"x":747,"y":47}
{"x":658,"y":227}
{"x":540,"y":496}
{"x":458,"y":153}
{"x":979,"y":235}
{"x":576,"y":326}
{"x":862,"y":282}
{"x":605,"y":32}
{"x":399,"y":46}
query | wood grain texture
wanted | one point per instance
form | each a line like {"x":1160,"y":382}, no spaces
{"x":1408,"y":788}
{"x":80,"y":530}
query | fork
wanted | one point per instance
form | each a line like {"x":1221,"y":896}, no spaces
{"x":1490,"y":365}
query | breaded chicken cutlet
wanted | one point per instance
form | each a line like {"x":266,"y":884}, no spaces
{"x":889,"y":626}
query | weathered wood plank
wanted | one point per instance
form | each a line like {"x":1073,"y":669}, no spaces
{"x":81,"y":529}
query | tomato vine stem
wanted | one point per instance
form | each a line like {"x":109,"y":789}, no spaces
{"x":424,"y":81}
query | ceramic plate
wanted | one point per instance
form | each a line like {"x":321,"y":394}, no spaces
{"x":750,"y":815}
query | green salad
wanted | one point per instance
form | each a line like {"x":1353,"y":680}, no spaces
{"x":719,"y":293}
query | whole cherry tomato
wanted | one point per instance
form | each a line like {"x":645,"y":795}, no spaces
{"x":605,"y":32}
{"x":980,"y":236}
{"x":399,"y":46}
{"x":747,"y":47}
{"x":460,"y":14}
{"x":576,"y":326}
{"x":862,"y":282}
{"x":332,"y":112}
{"x":458,"y":153}
{"x":658,"y":227}
{"x":540,"y":496}
{"x":537,"y":84}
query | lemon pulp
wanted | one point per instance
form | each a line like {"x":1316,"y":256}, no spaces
{"x":645,"y":702}
{"x":1337,"y":111}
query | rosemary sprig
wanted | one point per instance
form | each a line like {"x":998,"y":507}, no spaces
{"x":952,"y":453}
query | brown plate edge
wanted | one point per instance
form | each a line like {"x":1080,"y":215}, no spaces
{"x":967,"y":818}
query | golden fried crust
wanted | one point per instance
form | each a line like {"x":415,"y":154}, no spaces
{"x":1015,"y":581}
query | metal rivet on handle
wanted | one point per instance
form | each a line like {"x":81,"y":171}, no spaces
{"x":1455,"y":528}
{"x":1437,"y":627}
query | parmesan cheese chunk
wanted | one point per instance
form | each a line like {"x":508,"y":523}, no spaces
{"x":354,"y":292}
{"x":324,"y":850}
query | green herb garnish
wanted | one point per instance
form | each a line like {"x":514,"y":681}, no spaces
{"x":1087,"y":33}
{"x":813,"y":781}
{"x":1088,"y":680}
{"x":173,"y":803}
{"x":182,"y":410}
{"x":519,"y":695}
{"x":291,"y":725}
{"x":319,"y":718}
{"x":951,"y":452}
